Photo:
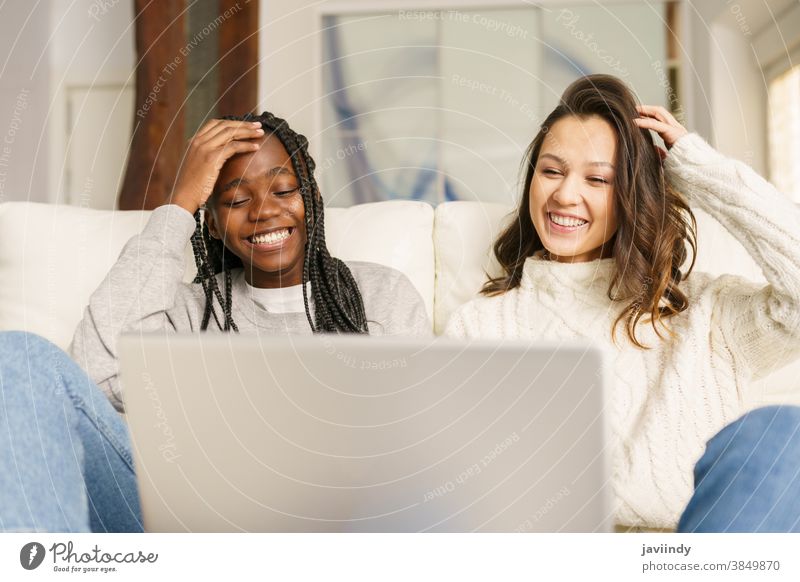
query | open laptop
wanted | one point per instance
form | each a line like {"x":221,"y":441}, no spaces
{"x":341,"y":433}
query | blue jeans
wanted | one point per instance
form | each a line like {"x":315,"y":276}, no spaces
{"x":748,"y":480}
{"x":65,"y":461}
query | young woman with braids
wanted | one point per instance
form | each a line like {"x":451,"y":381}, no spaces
{"x":338,"y":303}
{"x":263,"y":267}
{"x":597,"y":250}
{"x":263,"y":264}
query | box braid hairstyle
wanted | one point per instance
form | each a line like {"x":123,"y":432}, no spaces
{"x":338,"y":305}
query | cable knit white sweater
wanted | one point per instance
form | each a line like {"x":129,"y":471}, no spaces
{"x":666,"y":402}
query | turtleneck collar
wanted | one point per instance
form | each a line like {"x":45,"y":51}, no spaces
{"x":586,"y":277}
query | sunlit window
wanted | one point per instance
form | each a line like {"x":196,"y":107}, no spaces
{"x":784,"y":132}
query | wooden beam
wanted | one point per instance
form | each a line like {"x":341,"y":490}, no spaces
{"x":238,"y":57}
{"x":157,"y":143}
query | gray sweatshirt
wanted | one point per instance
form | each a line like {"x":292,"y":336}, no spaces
{"x":145,"y":292}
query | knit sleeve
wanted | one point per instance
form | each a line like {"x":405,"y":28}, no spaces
{"x":459,"y":326}
{"x":139,"y":294}
{"x":761,"y":326}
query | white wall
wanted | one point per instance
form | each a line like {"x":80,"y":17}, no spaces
{"x":92,"y":59}
{"x":67,"y":64}
{"x":727,"y":97}
{"x":66,"y":96}
{"x":24,"y":100}
{"x":289,"y":43}
{"x":738,"y":97}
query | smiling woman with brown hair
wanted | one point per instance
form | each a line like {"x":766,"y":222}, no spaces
{"x":630,"y":213}
{"x":600,"y":240}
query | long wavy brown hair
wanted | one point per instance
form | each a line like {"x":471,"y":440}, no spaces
{"x":655,"y":229}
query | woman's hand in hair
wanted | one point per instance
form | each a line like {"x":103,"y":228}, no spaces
{"x":216,"y":142}
{"x":661,"y":121}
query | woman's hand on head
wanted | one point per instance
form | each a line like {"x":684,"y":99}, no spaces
{"x":661,"y":121}
{"x":216,"y":142}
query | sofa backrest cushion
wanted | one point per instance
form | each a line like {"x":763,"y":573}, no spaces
{"x":463,"y":234}
{"x":52,"y":257}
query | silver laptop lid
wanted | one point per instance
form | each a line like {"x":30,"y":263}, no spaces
{"x":346,"y":433}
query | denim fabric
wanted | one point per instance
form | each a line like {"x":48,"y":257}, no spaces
{"x":65,"y":460}
{"x":748,"y":480}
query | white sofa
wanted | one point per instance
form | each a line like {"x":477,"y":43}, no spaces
{"x":52,"y":257}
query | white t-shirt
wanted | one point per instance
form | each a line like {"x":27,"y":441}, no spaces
{"x":280,"y":300}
